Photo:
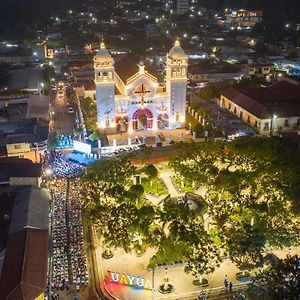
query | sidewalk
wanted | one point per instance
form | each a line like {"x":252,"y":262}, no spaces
{"x":126,"y":263}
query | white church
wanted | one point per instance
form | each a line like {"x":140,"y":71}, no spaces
{"x":129,"y":98}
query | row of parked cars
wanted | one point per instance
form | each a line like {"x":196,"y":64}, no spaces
{"x":61,"y":90}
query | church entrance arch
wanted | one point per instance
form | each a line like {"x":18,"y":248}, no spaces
{"x":142,"y":119}
{"x":163,"y":121}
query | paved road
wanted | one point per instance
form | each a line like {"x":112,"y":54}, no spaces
{"x":63,"y":122}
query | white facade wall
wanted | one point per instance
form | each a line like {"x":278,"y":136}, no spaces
{"x":105,"y":98}
{"x":170,"y":105}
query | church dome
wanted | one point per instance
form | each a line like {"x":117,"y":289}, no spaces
{"x":103,"y":54}
{"x":176,"y":52}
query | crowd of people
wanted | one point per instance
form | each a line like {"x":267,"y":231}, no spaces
{"x":76,"y":247}
{"x":69,"y":261}
{"x":66,"y":141}
{"x":59,"y":166}
{"x":60,"y":276}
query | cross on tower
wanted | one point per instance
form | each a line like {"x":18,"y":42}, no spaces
{"x":142,"y":92}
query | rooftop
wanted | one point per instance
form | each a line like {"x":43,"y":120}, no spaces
{"x":125,"y":68}
{"x":18,"y":167}
{"x":25,"y":78}
{"x":281,"y":99}
{"x":24,"y":270}
{"x":22,"y":131}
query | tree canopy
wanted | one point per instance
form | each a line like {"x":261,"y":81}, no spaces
{"x":247,"y":184}
{"x":244,"y":187}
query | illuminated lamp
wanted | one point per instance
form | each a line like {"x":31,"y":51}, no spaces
{"x":130,"y":129}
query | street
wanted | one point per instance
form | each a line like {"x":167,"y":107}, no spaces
{"x":63,"y":121}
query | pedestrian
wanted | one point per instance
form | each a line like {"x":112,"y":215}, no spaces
{"x":230,"y":286}
{"x":226,"y":283}
{"x":206,"y":135}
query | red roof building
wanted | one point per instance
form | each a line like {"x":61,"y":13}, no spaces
{"x":269,"y":110}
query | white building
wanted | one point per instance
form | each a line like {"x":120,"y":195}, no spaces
{"x":129,"y":98}
{"x":273,"y":109}
{"x":183,"y":7}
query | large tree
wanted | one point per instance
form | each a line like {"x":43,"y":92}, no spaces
{"x":280,"y":280}
{"x":246,"y":185}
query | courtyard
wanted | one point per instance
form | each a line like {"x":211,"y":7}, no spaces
{"x":163,"y":231}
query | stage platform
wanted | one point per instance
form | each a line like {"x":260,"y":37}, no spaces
{"x":166,"y":136}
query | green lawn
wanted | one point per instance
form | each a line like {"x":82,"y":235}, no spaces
{"x":188,"y":185}
{"x":157,"y":187}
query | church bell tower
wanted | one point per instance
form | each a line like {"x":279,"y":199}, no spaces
{"x":176,"y":82}
{"x":105,"y":88}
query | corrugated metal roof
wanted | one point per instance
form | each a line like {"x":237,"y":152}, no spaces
{"x":30,"y":209}
{"x":19,"y":167}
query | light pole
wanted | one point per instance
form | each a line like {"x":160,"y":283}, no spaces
{"x":153,"y":290}
{"x":42,"y":88}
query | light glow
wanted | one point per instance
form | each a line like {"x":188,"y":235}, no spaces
{"x":134,"y":281}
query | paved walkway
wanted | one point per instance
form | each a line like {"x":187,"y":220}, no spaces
{"x":129,"y":263}
{"x":165,"y":175}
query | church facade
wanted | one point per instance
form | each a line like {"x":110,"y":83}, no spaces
{"x":129,"y":98}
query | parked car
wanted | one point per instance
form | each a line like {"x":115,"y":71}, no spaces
{"x":70,"y":110}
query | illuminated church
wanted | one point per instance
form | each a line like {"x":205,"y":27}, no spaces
{"x":129,"y":98}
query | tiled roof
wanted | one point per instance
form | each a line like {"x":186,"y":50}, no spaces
{"x":282,"y":99}
{"x":125,"y":69}
{"x":278,"y":94}
{"x":24,"y":274}
{"x":230,"y":93}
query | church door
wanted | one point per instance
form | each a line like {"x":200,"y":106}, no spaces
{"x":142,"y":119}
{"x":142,"y":122}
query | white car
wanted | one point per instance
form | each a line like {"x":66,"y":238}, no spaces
{"x":70,"y":110}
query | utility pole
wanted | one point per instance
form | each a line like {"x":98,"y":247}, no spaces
{"x":153,"y":290}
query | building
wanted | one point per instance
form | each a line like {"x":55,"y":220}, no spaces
{"x":24,"y":127}
{"x":19,"y":171}
{"x":244,"y":19}
{"x":129,"y":98}
{"x":29,"y":79}
{"x":23,"y":231}
{"x":183,"y":7}
{"x":152,"y":30}
{"x":268,"y":110}
{"x":16,"y":55}
{"x":259,"y":70}
{"x":196,"y":74}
